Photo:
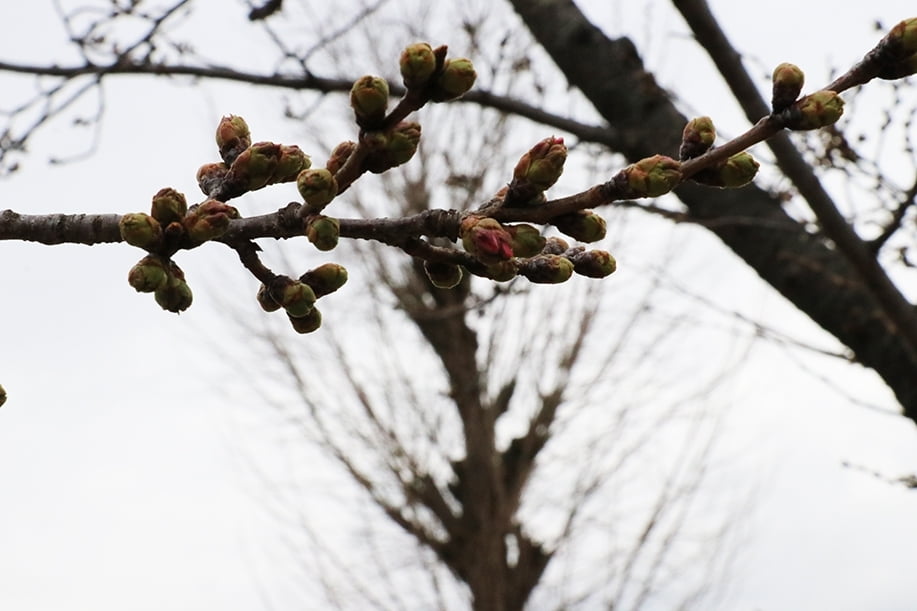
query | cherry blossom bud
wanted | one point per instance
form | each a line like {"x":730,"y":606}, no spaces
{"x":653,"y":176}
{"x":297,"y":298}
{"x":391,"y":148}
{"x":208,"y":221}
{"x":233,"y":137}
{"x":309,"y":323}
{"x":901,"y":41}
{"x":456,"y":78}
{"x":340,"y":155}
{"x":526,"y":240}
{"x":417,"y":64}
{"x":140,"y":230}
{"x":593,"y":263}
{"x":554,"y":245}
{"x":815,"y":110}
{"x":788,"y":81}
{"x":443,"y":275}
{"x":317,"y":187}
{"x":292,"y":161}
{"x":325,"y":279}
{"x":582,"y":225}
{"x":697,"y":138}
{"x":486,"y":239}
{"x":210,"y":176}
{"x":149,"y":274}
{"x":254,"y":167}
{"x":369,"y":100}
{"x":543,"y":164}
{"x":176,"y":295}
{"x":504,"y":271}
{"x":168,"y":206}
{"x":546,"y":269}
{"x":323,"y":232}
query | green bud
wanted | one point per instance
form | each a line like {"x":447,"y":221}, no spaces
{"x":254,"y":167}
{"x":546,"y":269}
{"x":369,"y":100}
{"x":210,"y":176}
{"x":391,"y":148}
{"x":340,"y":155}
{"x":308,"y":323}
{"x":582,"y":225}
{"x":208,"y":221}
{"x":697,"y":138}
{"x":443,"y":275}
{"x":323,"y":232}
{"x":169,"y":205}
{"x":233,"y":137}
{"x":149,"y":274}
{"x":456,"y":78}
{"x":653,"y":176}
{"x":417,"y":64}
{"x":526,"y":240}
{"x":176,"y":295}
{"x":816,"y":110}
{"x":292,"y":161}
{"x":267,"y":303}
{"x":739,"y":170}
{"x":325,"y":279}
{"x":317,"y":187}
{"x":592,"y":263}
{"x":140,"y":230}
{"x":543,"y":164}
{"x":297,"y":298}
{"x":485,"y":239}
{"x":788,"y":81}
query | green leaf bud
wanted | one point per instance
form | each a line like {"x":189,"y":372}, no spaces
{"x":697,"y":138}
{"x":292,"y":161}
{"x":168,"y":206}
{"x":149,"y":274}
{"x":317,"y":187}
{"x":455,"y":80}
{"x":788,"y":80}
{"x":582,"y":225}
{"x":546,"y":269}
{"x":140,"y":230}
{"x":369,"y":100}
{"x":543,"y":164}
{"x":815,"y":110}
{"x":325,"y":279}
{"x":417,"y":64}
{"x":323,"y":232}
{"x":340,"y":155}
{"x":233,"y":137}
{"x":526,"y":240}
{"x":592,"y":263}
{"x":308,"y":323}
{"x":485,"y":239}
{"x":443,"y":275}
{"x":653,"y":176}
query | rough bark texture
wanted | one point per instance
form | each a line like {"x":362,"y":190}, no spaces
{"x":801,"y":266}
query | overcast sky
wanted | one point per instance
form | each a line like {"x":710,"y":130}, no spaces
{"x":123,"y":484}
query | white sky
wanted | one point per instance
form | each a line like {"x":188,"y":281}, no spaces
{"x":119,"y":467}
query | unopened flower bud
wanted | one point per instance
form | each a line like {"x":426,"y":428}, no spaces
{"x":526,"y":240}
{"x":309,"y":323}
{"x":815,"y":110}
{"x":554,"y":245}
{"x":233,"y":137}
{"x":168,"y":206}
{"x":175,"y":296}
{"x":443,"y":275}
{"x":697,"y":138}
{"x":739,"y":170}
{"x":543,"y":164}
{"x":210,"y":176}
{"x":456,"y":78}
{"x":208,"y":221}
{"x":653,"y":176}
{"x":504,"y":271}
{"x":486,"y":239}
{"x":317,"y":187}
{"x":593,"y":263}
{"x":140,"y":230}
{"x":297,"y":298}
{"x":323,"y":232}
{"x":255,"y":166}
{"x":788,"y":81}
{"x":325,"y":279}
{"x":149,"y":274}
{"x":393,"y":147}
{"x":417,"y":64}
{"x":369,"y":99}
{"x":582,"y":225}
{"x":292,"y":161}
{"x":340,"y":155}
{"x":266,"y":301}
{"x":546,"y":269}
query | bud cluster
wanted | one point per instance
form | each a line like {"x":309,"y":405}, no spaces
{"x":297,"y":297}
{"x":391,"y":148}
{"x":428,"y":71}
{"x":162,"y":277}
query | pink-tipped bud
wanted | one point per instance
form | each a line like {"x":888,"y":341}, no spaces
{"x":317,"y":187}
{"x":653,"y":176}
{"x":443,"y":275}
{"x":340,"y":155}
{"x":325,"y":279}
{"x":697,"y":138}
{"x":486,"y":239}
{"x":140,"y":230}
{"x":369,"y":100}
{"x":546,"y":269}
{"x":788,"y":80}
{"x":543,"y":164}
{"x":292,"y":161}
{"x":526,"y":240}
{"x":417,"y":64}
{"x":455,"y":80}
{"x":815,"y":110}
{"x":208,"y":221}
{"x":210,"y":177}
{"x":582,"y":225}
{"x":233,"y":137}
{"x":323,"y":232}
